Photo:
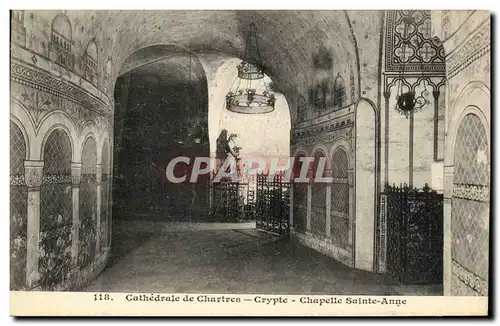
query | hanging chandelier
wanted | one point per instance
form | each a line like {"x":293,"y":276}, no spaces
{"x":251,"y":95}
{"x":407,"y":102}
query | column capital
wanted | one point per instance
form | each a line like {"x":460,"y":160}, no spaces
{"x":436,"y":94}
{"x":33,"y":173}
{"x":387,"y":94}
{"x":76,"y":173}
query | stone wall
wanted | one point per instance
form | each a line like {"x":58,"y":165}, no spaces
{"x":467,"y":157}
{"x":61,"y":154}
{"x":326,"y":216}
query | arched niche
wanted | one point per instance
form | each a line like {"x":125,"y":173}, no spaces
{"x":56,"y":211}
{"x":87,"y":236}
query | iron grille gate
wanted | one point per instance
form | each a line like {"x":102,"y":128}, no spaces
{"x":414,"y":235}
{"x":232,"y":202}
{"x":272,"y":204}
{"x":267,"y":202}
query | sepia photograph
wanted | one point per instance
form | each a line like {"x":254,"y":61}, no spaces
{"x":250,"y":162}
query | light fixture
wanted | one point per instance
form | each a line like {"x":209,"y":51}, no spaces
{"x":251,"y":95}
{"x":407,"y":102}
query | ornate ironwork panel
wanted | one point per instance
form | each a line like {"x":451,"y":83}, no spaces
{"x":273,"y":204}
{"x":414,"y":235}
{"x":88,"y":205}
{"x":470,"y":202}
{"x":104,"y":195}
{"x":18,"y":209}
{"x":339,"y":213}
{"x":56,"y":211}
{"x":228,"y":201}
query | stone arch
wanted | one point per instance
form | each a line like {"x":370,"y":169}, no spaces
{"x":339,"y":92}
{"x":91,"y":50}
{"x":89,"y":129}
{"x":61,"y":41}
{"x":103,"y":137}
{"x":480,"y":93}
{"x":366,"y":169}
{"x":56,"y":209}
{"x":470,"y":213}
{"x":321,"y":147}
{"x":91,"y":61}
{"x":62,"y":26}
{"x":346,"y":145}
{"x":57,"y":120}
{"x":21,"y":117}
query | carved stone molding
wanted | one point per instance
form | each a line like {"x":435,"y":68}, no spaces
{"x":24,"y":74}
{"x":76,"y":173}
{"x":472,"y":49}
{"x":17,"y":180}
{"x":33,"y":173}
{"x":470,"y":279}
{"x":471,"y":192}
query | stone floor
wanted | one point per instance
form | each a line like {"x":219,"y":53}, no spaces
{"x":217,"y":258}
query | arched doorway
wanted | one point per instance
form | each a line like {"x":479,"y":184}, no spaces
{"x":161,"y":103}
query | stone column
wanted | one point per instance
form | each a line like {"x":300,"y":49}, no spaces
{"x":309,"y":197}
{"x":387,"y":97}
{"x":76,"y":173}
{"x":33,"y":177}
{"x":98,"y":210}
{"x":290,"y":219}
{"x":328,"y":210}
{"x":351,"y":208}
{"x":435,"y":95}
{"x":328,"y":203}
{"x":447,"y":236}
{"x":410,"y":150}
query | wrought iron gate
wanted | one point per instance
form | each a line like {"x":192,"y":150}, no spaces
{"x":414,"y":235}
{"x":232,"y":202}
{"x":273,"y":204}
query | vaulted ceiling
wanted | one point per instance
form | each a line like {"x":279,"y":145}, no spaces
{"x":291,"y":42}
{"x":288,"y":40}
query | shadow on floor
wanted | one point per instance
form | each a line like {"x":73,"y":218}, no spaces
{"x":161,"y":257}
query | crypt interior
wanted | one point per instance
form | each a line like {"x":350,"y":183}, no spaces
{"x":397,"y":103}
